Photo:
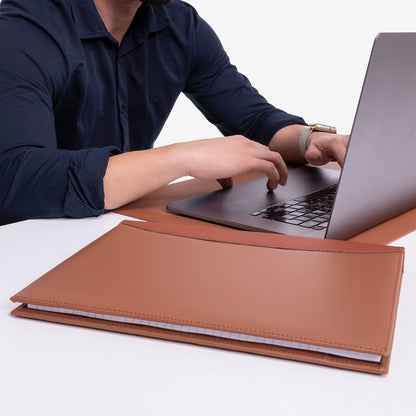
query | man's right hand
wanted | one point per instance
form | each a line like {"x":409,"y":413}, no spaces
{"x":225,"y":157}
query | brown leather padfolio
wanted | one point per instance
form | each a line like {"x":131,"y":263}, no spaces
{"x":318,"y":301}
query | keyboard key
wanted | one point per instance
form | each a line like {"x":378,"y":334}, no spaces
{"x":310,"y":216}
{"x":302,"y":218}
{"x":293,"y":222}
{"x":309,"y":224}
{"x":288,"y":217}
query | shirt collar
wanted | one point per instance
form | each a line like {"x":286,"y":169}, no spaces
{"x":149,"y":19}
{"x":87,"y":20}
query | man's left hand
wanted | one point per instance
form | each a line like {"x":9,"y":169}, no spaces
{"x":325,"y":147}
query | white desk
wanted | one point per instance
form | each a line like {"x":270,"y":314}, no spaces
{"x":52,"y":369}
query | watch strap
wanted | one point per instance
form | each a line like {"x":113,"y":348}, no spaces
{"x":304,"y":134}
{"x":307,"y":130}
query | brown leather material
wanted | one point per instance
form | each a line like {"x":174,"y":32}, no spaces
{"x":391,"y":230}
{"x":327,"y":293}
{"x":152,"y":208}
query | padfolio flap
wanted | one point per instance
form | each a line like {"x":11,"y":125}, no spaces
{"x":336,"y":294}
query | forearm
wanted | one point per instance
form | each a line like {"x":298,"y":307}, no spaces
{"x":132,"y":175}
{"x":286,"y":142}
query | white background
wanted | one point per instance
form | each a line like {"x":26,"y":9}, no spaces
{"x":309,"y":58}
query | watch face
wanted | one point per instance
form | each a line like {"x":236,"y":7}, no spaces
{"x":324,"y":127}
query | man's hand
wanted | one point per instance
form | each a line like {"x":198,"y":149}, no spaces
{"x":321,"y":147}
{"x":324,"y":147}
{"x":229,"y":156}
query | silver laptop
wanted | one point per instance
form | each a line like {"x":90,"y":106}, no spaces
{"x":377,"y":182}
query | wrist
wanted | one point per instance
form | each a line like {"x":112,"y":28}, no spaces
{"x":307,"y":133}
{"x":180,"y":158}
{"x":285,"y":141}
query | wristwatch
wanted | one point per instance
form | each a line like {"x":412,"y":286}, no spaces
{"x":307,"y":130}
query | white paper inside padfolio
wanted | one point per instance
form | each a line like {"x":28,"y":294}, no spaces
{"x":215,"y":333}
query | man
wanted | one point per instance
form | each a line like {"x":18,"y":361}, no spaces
{"x":85,"y":88}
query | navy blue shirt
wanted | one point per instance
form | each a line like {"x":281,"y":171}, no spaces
{"x":70,"y":97}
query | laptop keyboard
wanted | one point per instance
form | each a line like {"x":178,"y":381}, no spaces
{"x":309,"y":211}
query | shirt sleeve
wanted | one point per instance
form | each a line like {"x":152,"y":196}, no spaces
{"x":226,"y":97}
{"x":37,"y":178}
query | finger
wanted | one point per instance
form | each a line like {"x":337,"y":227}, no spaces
{"x":277,"y":160}
{"x":225,"y":182}
{"x":281,"y":167}
{"x":339,"y":149}
{"x":269,"y":168}
{"x":316,"y":156}
{"x":322,"y":152}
